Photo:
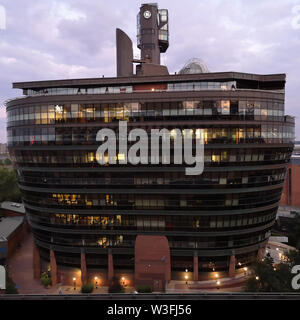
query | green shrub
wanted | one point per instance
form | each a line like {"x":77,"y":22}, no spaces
{"x":11,"y":289}
{"x":88,"y":288}
{"x":45,"y":279}
{"x":10,"y":286}
{"x":144,"y":289}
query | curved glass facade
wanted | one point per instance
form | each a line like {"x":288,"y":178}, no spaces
{"x":72,"y":202}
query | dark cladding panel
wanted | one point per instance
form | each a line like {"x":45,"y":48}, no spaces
{"x":124,"y":54}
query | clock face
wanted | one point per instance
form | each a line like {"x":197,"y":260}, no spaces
{"x":147,"y":14}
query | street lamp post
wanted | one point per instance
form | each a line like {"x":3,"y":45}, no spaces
{"x":123,"y":281}
{"x":74,"y":282}
{"x":96,"y":282}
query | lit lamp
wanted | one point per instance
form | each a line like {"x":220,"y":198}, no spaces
{"x":245,"y":271}
{"x":96,"y":282}
{"x":186,"y":279}
{"x":257,"y":277}
{"x":123,"y":281}
{"x":74,"y":281}
{"x":217,"y":275}
{"x":218,"y":284}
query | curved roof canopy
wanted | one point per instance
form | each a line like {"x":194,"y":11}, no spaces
{"x":194,"y":66}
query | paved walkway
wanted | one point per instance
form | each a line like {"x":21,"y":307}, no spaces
{"x":21,"y":269}
{"x":235,"y":284}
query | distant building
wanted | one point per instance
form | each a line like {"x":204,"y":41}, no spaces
{"x":3,"y":148}
{"x":291,"y":190}
{"x":11,"y":209}
{"x":13,"y":226}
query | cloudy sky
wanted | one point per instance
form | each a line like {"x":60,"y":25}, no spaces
{"x":53,"y":39}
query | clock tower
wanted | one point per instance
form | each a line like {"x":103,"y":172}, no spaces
{"x":152,"y":40}
{"x":152,"y":32}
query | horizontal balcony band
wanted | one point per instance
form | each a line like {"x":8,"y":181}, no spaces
{"x":161,"y":96}
{"x":93,"y":147}
{"x":150,"y":191}
{"x":133,"y":186}
{"x":121,"y":228}
{"x":217,"y":76}
{"x":173,"y":251}
{"x":162,"y":123}
{"x":157,"y":212}
{"x":166,"y":233}
{"x":150,"y":169}
{"x":217,"y":252}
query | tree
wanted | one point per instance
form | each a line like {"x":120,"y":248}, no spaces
{"x":7,"y":162}
{"x":9,"y":190}
{"x":268,"y":278}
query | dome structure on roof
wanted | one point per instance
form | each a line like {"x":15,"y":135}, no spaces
{"x":194,"y":66}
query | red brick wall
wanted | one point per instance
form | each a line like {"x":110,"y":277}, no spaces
{"x":16,"y":238}
{"x":291,"y":189}
{"x":150,"y":268}
{"x":9,"y":213}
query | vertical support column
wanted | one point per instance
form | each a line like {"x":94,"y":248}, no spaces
{"x":232,"y":266}
{"x":53,"y":267}
{"x":260,"y":253}
{"x":83,"y":269}
{"x":196,"y":267}
{"x":36,"y":262}
{"x":110,"y":274}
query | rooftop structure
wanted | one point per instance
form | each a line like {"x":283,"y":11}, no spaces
{"x":194,"y":66}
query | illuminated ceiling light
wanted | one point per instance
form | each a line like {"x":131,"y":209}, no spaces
{"x":58,"y":109}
